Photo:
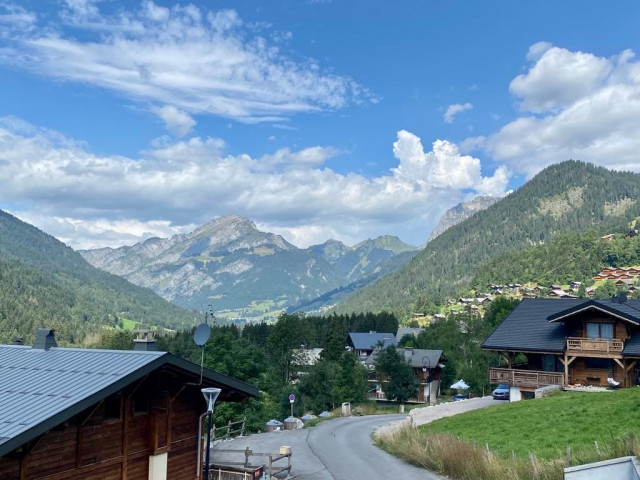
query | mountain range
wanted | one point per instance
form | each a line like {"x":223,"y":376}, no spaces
{"x":44,"y":283}
{"x":567,"y":197}
{"x":230,"y":265}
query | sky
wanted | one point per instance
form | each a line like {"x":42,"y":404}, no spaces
{"x":317,"y":119}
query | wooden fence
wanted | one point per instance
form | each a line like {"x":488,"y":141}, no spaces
{"x":269,"y":464}
{"x":229,"y":431}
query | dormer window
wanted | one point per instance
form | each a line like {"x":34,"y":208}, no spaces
{"x":599,"y":330}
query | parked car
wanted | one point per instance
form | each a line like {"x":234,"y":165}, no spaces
{"x":459,"y":396}
{"x":501,"y":392}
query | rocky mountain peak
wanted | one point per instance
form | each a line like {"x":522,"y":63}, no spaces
{"x":461,"y":212}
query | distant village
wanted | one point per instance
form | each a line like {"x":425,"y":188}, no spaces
{"x":624,"y":278}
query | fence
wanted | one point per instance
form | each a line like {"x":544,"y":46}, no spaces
{"x":229,"y":430}
{"x":269,"y":464}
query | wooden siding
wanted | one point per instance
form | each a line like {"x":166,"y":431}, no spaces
{"x":579,"y":373}
{"x":91,"y":447}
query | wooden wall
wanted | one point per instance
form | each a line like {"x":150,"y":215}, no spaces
{"x":91,"y":446}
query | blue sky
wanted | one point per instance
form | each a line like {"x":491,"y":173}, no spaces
{"x":121,"y":120}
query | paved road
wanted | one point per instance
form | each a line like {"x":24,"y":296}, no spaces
{"x":339,"y":449}
{"x":342,"y":449}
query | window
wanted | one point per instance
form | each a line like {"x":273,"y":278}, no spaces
{"x":599,"y":330}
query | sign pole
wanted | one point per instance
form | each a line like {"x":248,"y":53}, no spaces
{"x":292,"y":398}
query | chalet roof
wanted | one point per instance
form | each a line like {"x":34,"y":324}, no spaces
{"x":625,"y":311}
{"x":40,"y":388}
{"x":402,"y":331}
{"x":536,"y":324}
{"x":416,"y":357}
{"x":526,"y":328}
{"x":368,"y":340}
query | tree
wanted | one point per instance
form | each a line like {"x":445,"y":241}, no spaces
{"x":334,"y":342}
{"x":402,"y":384}
{"x":283,"y":345}
{"x":351,"y":380}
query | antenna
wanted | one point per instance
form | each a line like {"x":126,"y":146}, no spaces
{"x":201,"y":336}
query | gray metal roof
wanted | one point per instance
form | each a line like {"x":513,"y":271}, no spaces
{"x":402,"y":331}
{"x":534,"y":324}
{"x":415,"y":357}
{"x":40,"y":389}
{"x":368,"y":340}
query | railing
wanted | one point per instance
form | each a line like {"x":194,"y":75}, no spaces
{"x":525,"y":378}
{"x":383,"y":397}
{"x":597,"y":345}
{"x":247,"y":466}
{"x":228,"y":431}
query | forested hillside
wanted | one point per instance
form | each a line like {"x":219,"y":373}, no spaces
{"x":567,"y":197}
{"x":566,"y":258}
{"x":45,"y":283}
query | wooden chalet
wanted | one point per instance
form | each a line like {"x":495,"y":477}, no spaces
{"x":568,"y":341}
{"x":426,"y":368}
{"x":82,"y":414}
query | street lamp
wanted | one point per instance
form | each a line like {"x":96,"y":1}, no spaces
{"x":210,"y":395}
{"x":426,"y":367}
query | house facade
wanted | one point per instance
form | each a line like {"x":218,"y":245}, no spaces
{"x":427,"y":370}
{"x":568,"y":342}
{"x":71,"y":413}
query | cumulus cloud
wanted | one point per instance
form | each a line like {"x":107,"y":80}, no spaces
{"x":453,"y":110}
{"x":91,"y":200}
{"x":177,"y":122}
{"x":579,"y":106}
{"x":190,"y":60}
{"x":558,"y":78}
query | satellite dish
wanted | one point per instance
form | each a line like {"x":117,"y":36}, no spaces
{"x":201,"y":334}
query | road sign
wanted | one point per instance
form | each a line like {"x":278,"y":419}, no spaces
{"x":292,"y":398}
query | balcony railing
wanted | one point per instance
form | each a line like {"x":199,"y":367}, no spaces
{"x":525,"y":378}
{"x":595,"y":345}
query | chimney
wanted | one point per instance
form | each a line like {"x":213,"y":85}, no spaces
{"x":45,"y":339}
{"x":145,"y":341}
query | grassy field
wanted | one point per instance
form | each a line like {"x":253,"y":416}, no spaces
{"x":531,"y":439}
{"x":548,"y":426}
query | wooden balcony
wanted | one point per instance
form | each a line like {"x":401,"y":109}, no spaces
{"x":525,"y":378}
{"x":598,"y":346}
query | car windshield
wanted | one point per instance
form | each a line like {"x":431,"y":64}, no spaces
{"x":503,"y":387}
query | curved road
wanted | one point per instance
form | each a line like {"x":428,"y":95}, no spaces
{"x":339,"y":449}
{"x":345,"y":447}
{"x":342,"y":449}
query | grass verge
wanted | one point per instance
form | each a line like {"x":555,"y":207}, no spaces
{"x":524,"y":440}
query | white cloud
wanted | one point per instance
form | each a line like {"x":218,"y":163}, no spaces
{"x":453,"y":110}
{"x":197,"y":61}
{"x":90,"y":200}
{"x":583,"y":107}
{"x":177,"y":122}
{"x":558,"y":78}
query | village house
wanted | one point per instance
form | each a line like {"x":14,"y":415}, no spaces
{"x":363,"y":344}
{"x":82,"y":414}
{"x":566,"y":342}
{"x":426,"y":368}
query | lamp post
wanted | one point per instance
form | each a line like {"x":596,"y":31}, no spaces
{"x":426,"y":368}
{"x":210,"y":395}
